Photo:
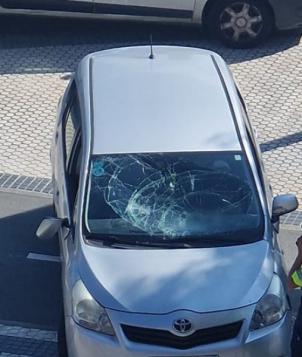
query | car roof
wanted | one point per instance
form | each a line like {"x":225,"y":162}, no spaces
{"x":175,"y":102}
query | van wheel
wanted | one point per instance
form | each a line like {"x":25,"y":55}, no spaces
{"x":240,"y":23}
{"x":62,"y":347}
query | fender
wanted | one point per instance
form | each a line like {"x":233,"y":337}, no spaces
{"x":198,"y":11}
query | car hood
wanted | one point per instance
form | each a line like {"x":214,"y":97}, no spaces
{"x":161,"y":281}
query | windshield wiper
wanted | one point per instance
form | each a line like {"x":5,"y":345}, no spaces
{"x":110,"y":240}
{"x":177,"y":243}
{"x":212,"y":241}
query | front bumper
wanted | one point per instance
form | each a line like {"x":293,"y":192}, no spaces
{"x":273,"y":341}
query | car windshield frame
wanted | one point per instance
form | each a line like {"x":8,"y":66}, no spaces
{"x":162,"y":241}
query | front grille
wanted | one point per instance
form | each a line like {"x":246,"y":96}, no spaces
{"x":168,"y":339}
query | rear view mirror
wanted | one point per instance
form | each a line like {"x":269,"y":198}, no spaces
{"x":49,"y":227}
{"x":283,"y":204}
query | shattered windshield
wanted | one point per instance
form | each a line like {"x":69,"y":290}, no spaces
{"x":169,"y":197}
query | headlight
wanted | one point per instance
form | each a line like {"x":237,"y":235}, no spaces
{"x":88,"y":313}
{"x":272,"y":306}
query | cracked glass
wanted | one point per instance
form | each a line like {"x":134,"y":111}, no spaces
{"x":170,"y":197}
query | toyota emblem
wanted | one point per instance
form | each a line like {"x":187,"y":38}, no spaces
{"x":182,"y":325}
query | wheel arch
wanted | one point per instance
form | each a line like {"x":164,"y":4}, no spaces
{"x":211,"y":3}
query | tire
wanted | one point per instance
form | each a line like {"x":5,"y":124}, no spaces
{"x":240,"y":23}
{"x":62,"y":347}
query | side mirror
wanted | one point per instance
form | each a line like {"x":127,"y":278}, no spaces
{"x":283,"y":204}
{"x":49,"y":227}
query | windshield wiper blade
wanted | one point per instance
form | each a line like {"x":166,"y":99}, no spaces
{"x":110,"y":240}
{"x":177,"y":243}
{"x":212,"y":241}
{"x":171,"y":244}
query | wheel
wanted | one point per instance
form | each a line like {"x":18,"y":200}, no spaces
{"x":240,"y":23}
{"x":62,"y":347}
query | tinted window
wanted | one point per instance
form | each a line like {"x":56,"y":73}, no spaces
{"x":196,"y":197}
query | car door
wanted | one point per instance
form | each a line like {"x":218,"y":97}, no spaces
{"x":157,"y":8}
{"x":80,"y":6}
{"x":68,"y":154}
{"x":161,"y":4}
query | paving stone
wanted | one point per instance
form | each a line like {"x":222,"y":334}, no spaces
{"x":19,"y":341}
{"x":30,"y":78}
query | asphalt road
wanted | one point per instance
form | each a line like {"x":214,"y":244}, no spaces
{"x":30,"y":289}
{"x":287,"y":240}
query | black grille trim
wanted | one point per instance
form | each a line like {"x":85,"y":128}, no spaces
{"x":167,"y":339}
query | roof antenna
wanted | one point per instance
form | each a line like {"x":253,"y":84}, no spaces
{"x":151,"y":44}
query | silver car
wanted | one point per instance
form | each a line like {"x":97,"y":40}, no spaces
{"x":238,"y":23}
{"x":166,"y":221}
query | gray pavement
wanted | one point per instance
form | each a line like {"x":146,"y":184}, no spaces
{"x":23,"y":298}
{"x":34,"y":53}
{"x":30,"y":293}
{"x":287,"y":240}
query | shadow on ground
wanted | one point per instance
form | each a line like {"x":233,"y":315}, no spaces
{"x":281,"y":142}
{"x":30,"y":290}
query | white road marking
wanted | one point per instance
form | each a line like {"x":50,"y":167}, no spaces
{"x":31,"y":333}
{"x":4,"y":354}
{"x":44,"y":257}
